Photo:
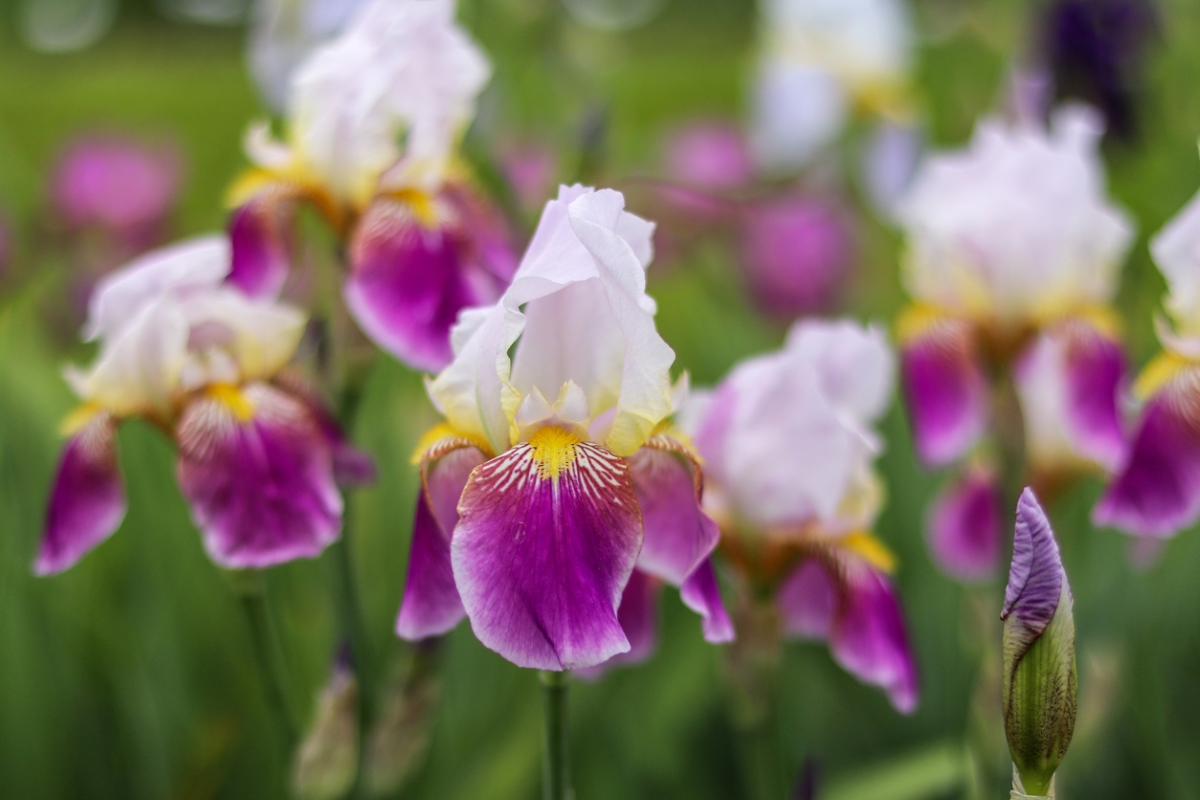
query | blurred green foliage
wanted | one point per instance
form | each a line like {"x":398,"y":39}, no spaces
{"x":131,"y":676}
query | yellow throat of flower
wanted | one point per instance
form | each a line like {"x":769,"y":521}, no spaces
{"x":554,"y":451}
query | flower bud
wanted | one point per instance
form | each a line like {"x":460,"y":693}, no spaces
{"x":327,"y":761}
{"x":400,"y":740}
{"x":1039,"y":654}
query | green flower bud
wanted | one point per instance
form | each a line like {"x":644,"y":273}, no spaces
{"x":327,"y":761}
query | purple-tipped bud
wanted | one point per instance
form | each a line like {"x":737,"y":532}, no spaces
{"x":1039,"y":653}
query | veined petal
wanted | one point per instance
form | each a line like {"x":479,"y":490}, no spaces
{"x":965,"y":527}
{"x":258,"y":474}
{"x":701,"y":594}
{"x":431,"y":604}
{"x":1156,"y":491}
{"x":668,"y":483}
{"x":87,"y":501}
{"x":548,"y":536}
{"x":1036,"y":578}
{"x":260,"y":233}
{"x":844,"y":600}
{"x":413,"y":268}
{"x":945,"y":391}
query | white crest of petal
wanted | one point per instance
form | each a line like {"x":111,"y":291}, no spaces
{"x":1176,"y":251}
{"x":798,"y":443}
{"x":178,"y":270}
{"x":400,"y":67}
{"x":578,"y":306}
{"x":1017,"y":226}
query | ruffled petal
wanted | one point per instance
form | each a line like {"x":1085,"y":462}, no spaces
{"x":965,"y":527}
{"x":945,"y":391}
{"x":258,"y":474}
{"x":1156,"y":491}
{"x":431,"y":604}
{"x":701,"y":594}
{"x":261,"y":232}
{"x":853,"y":606}
{"x":87,"y":501}
{"x":679,"y":536}
{"x":548,"y":537}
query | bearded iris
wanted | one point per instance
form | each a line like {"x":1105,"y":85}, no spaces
{"x":195,"y":357}
{"x":557,"y":472}
{"x":422,"y":243}
{"x":1013,"y":257}
{"x":788,"y":447}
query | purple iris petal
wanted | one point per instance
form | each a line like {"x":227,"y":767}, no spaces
{"x":410,"y":277}
{"x":965,"y":527}
{"x":541,"y":559}
{"x":1036,"y":578}
{"x":431,"y":604}
{"x":87,"y":502}
{"x":260,"y":233}
{"x":1156,"y":491}
{"x":352,"y":467}
{"x":261,"y":488}
{"x":945,"y":391}
{"x":854,"y":607}
{"x":638,"y":615}
{"x":1095,"y":373}
{"x":679,"y":536}
{"x":701,"y":594}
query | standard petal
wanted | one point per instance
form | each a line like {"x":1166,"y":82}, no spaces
{"x":431,"y":604}
{"x":87,"y":501}
{"x":945,"y":391}
{"x":679,"y":536}
{"x":965,"y":526}
{"x":548,"y":537}
{"x":701,"y":594}
{"x":258,"y":474}
{"x":1156,"y":491}
{"x":260,"y":232}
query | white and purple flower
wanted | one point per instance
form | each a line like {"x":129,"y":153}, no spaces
{"x":788,"y":444}
{"x":556,"y":478}
{"x":421,"y":242}
{"x":187,"y":352}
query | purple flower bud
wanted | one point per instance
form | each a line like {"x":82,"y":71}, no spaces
{"x":797,"y":254}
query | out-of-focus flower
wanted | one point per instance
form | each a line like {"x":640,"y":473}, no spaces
{"x":710,"y":155}
{"x":422,"y":243}
{"x":1013,"y":255}
{"x":820,"y":59}
{"x":201,"y":361}
{"x":788,"y":445}
{"x":530,"y":170}
{"x":1040,"y":682}
{"x":557,"y":473}
{"x":284,"y":34}
{"x":1095,"y":51}
{"x":327,"y":761}
{"x":121,"y":186}
{"x":889,"y":164}
{"x":965,"y":526}
{"x":797,"y":254}
{"x":1156,"y":491}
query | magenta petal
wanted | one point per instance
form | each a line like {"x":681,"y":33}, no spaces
{"x":679,"y":536}
{"x":945,"y":391}
{"x":541,"y":562}
{"x":854,"y":607}
{"x":409,"y":279}
{"x":260,"y":234}
{"x":262,"y":490}
{"x":87,"y":502}
{"x":431,"y":604}
{"x":701,"y":594}
{"x":638,"y":615}
{"x":965,"y":527}
{"x":1095,"y":373}
{"x":1156,"y":491}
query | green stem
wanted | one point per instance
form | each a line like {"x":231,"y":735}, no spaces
{"x":267,"y":652}
{"x":556,"y":767}
{"x":351,"y":621}
{"x":753,"y":669}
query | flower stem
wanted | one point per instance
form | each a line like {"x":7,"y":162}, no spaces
{"x":556,"y":768}
{"x":752,"y":664}
{"x":267,"y":652}
{"x":351,"y":621}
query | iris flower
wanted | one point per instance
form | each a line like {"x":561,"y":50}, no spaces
{"x":1156,"y":490}
{"x":195,"y":357}
{"x":788,"y":444}
{"x":422,"y":243}
{"x":1013,"y":258}
{"x":557,"y":475}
